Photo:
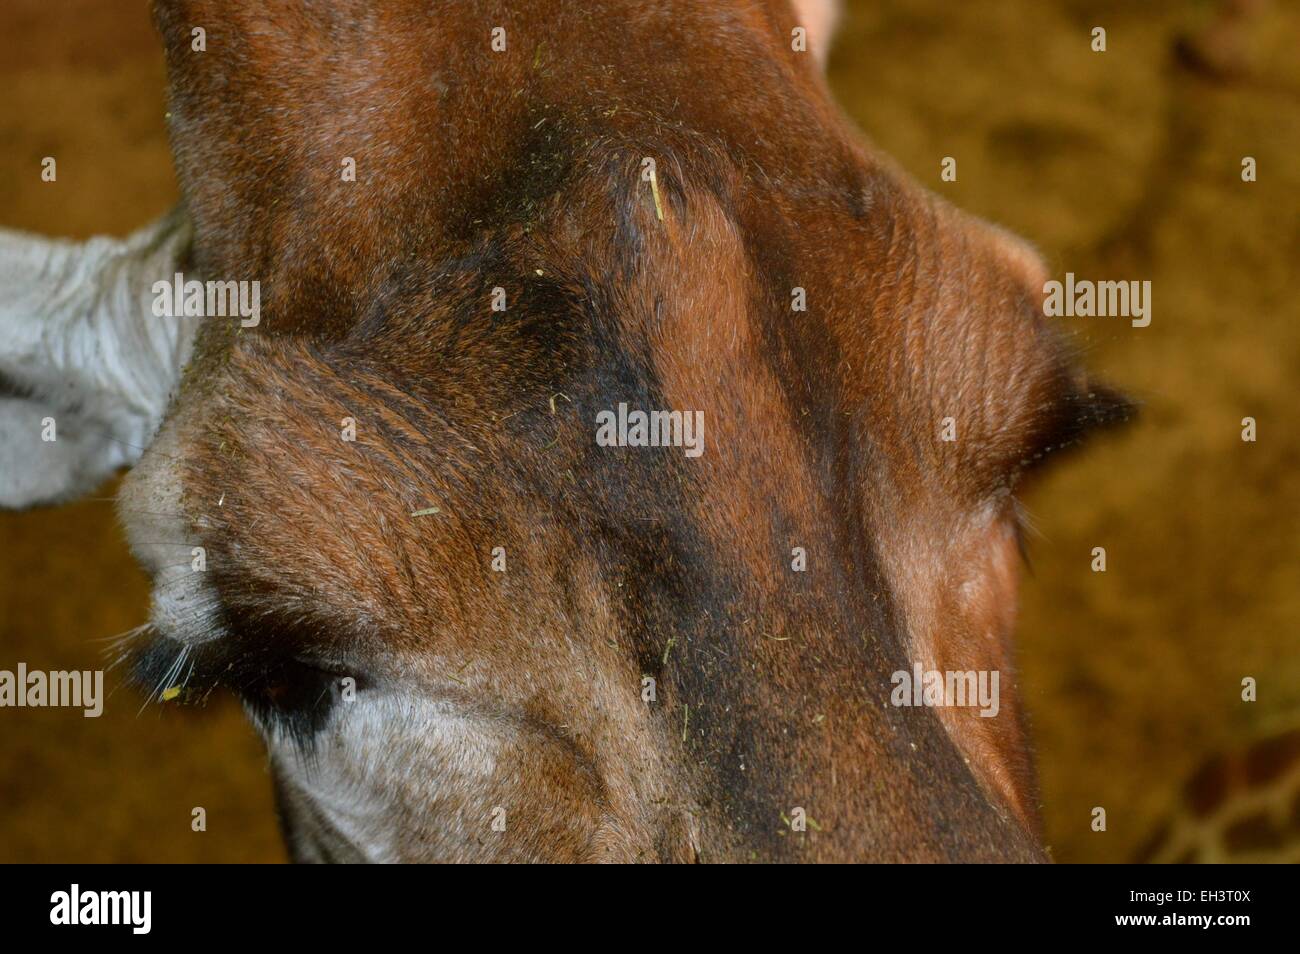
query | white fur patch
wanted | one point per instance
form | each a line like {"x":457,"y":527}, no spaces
{"x":369,"y":791}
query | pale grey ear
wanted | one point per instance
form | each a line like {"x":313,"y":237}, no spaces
{"x":86,"y":369}
{"x":819,"y":18}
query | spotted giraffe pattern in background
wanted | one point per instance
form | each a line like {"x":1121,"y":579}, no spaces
{"x":1238,"y":807}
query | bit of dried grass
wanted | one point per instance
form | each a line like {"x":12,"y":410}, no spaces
{"x":654,"y":190}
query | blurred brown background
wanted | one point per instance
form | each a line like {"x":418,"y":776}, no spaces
{"x":1118,"y":165}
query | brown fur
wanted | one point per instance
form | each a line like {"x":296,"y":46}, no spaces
{"x":522,"y":170}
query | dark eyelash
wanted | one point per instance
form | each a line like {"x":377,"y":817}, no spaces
{"x":286,"y":688}
{"x":1076,"y":416}
{"x":1101,"y":407}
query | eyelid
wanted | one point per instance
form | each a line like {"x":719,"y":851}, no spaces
{"x":334,"y":668}
{"x":324,"y":663}
{"x":257,"y":637}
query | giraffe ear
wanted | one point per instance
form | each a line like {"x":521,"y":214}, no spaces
{"x":87,"y":367}
{"x":819,"y":18}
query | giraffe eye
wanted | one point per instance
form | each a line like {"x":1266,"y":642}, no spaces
{"x":294,"y":695}
{"x":280,"y":668}
{"x":294,"y":685}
